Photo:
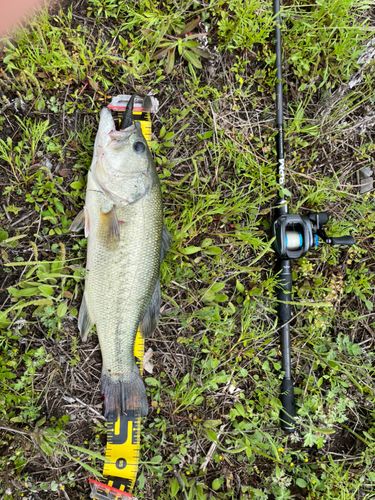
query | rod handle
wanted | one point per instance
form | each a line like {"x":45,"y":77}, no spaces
{"x":284,"y":293}
{"x":341,"y":240}
{"x":288,"y":411}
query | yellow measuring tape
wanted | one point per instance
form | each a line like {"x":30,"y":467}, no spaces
{"x":123,"y":433}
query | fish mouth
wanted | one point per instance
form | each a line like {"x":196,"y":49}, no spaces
{"x":126,"y":123}
{"x":122,"y":135}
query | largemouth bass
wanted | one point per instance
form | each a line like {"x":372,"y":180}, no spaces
{"x":126,"y":242}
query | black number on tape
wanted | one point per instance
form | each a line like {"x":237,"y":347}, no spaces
{"x":122,"y":436}
{"x":121,"y":463}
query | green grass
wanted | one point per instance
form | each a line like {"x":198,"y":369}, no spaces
{"x":217,"y":361}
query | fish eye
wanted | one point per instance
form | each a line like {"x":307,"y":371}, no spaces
{"x":139,"y":147}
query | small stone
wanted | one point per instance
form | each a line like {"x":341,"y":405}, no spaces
{"x":45,"y":162}
{"x":366,"y":172}
{"x":367,"y":185}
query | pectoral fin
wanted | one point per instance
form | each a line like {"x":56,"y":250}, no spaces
{"x":85,"y":323}
{"x":110,"y":222}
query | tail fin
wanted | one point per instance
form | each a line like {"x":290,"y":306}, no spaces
{"x":121,"y":395}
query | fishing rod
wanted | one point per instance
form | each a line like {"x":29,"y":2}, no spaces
{"x":294,"y":236}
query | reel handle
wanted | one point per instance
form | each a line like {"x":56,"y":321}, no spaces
{"x":323,"y":218}
{"x":319,"y":218}
{"x":341,"y":240}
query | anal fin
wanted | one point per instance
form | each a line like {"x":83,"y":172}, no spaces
{"x":151,"y":317}
{"x":85,"y":323}
{"x":166,"y":240}
{"x":150,"y":320}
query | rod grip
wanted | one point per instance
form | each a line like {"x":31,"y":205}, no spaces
{"x":288,"y":411}
{"x":285,"y":291}
{"x":342,"y":240}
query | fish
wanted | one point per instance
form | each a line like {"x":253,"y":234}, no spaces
{"x":126,"y":243}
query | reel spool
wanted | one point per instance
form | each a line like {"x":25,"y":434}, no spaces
{"x":293,"y":240}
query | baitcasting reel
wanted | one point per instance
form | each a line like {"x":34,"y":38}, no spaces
{"x":296,"y":234}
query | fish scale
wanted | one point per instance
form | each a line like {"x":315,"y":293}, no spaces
{"x":121,"y":281}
